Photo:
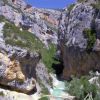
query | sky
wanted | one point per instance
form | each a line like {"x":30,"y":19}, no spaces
{"x":50,"y":3}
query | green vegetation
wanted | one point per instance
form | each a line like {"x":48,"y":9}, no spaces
{"x":91,"y":38}
{"x":1,"y":94}
{"x":81,"y":88}
{"x":14,"y":36}
{"x":16,"y":42}
{"x":48,"y":56}
{"x":2,"y":18}
{"x":96,"y":6}
{"x":44,"y":90}
{"x":44,"y":98}
{"x":70,"y":7}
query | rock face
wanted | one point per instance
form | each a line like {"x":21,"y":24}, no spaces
{"x":19,"y":74}
{"x":78,"y":59}
{"x":21,"y":68}
{"x":42,"y":74}
{"x":41,"y":22}
{"x":17,"y":66}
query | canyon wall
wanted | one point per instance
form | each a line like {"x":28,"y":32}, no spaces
{"x":79,"y":39}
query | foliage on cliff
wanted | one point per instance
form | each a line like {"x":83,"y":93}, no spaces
{"x":15,"y":36}
{"x":70,"y":7}
{"x":90,"y":35}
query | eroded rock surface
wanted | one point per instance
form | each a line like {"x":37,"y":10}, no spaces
{"x":19,"y":74}
{"x":41,"y":22}
{"x":78,"y":59}
{"x":17,"y":66}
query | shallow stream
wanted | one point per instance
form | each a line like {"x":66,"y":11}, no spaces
{"x":58,"y":88}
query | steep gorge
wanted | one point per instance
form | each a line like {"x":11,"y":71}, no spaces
{"x":28,"y":40}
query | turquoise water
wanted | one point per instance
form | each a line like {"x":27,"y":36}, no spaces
{"x":58,"y":90}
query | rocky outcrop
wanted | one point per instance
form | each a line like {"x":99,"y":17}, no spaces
{"x":41,"y":22}
{"x":19,"y":74}
{"x":17,"y":66}
{"x":13,"y":95}
{"x":20,"y":68}
{"x":43,"y":75}
{"x":79,"y":53}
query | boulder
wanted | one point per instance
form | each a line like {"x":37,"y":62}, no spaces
{"x":18,"y":72}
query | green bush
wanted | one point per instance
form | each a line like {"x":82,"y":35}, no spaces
{"x":70,"y":7}
{"x":96,"y":6}
{"x":48,"y":56}
{"x":1,"y":94}
{"x":81,"y":87}
{"x":44,"y":98}
{"x":91,"y":38}
{"x":2,"y":18}
{"x":44,"y":91}
{"x":16,"y":42}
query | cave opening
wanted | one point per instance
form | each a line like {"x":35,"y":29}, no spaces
{"x":58,"y":69}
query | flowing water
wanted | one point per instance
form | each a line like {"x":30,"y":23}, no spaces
{"x":58,"y":88}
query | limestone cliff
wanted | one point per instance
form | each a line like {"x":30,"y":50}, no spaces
{"x":41,"y":22}
{"x":79,"y":36}
{"x":23,"y":32}
{"x":18,"y":64}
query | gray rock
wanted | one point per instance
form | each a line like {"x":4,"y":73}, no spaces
{"x":26,"y":69}
{"x":72,"y":42}
{"x":17,"y":62}
{"x":43,"y":76}
{"x":97,"y":25}
{"x":37,"y":21}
